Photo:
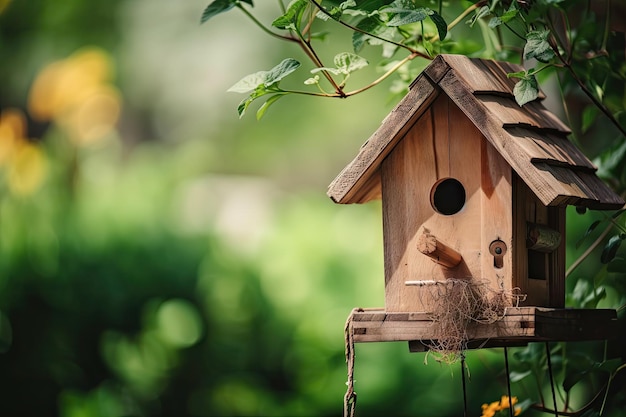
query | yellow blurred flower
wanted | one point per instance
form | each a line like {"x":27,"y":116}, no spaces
{"x":78,"y":95}
{"x":12,"y":131}
{"x":25,"y":162}
{"x":27,"y":169}
{"x":500,"y":407}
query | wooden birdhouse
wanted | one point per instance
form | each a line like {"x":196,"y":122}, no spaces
{"x":473,"y":187}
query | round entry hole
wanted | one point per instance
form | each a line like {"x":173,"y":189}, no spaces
{"x":447,"y":196}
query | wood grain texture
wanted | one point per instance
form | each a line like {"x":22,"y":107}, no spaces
{"x":438,"y":251}
{"x":518,"y":325}
{"x":428,"y":153}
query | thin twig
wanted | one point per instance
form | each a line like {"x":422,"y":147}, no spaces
{"x":587,"y":252}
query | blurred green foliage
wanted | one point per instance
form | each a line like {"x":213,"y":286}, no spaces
{"x":158,"y":259}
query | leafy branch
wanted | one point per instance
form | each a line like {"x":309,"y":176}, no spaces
{"x":395,"y":25}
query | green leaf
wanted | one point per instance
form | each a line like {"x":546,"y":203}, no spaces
{"x":245,"y":103}
{"x":509,"y":15}
{"x":261,"y":112}
{"x":265,"y":78}
{"x":405,"y":12}
{"x":479,"y":14}
{"x":573,"y":378}
{"x":337,"y":11}
{"x":537,"y":46}
{"x":584,"y":295}
{"x":610,"y":249}
{"x":519,"y":74}
{"x":220,"y":6}
{"x":370,"y":24}
{"x":526,"y":90}
{"x":590,"y":114}
{"x":262,"y":83}
{"x":611,"y":162}
{"x":442,"y":26}
{"x":348,"y":62}
{"x":590,"y":229}
{"x":518,"y":376}
{"x":291,"y":18}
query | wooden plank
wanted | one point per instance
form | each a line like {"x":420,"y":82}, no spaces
{"x":520,"y":324}
{"x":582,"y":188}
{"x":481,"y":75}
{"x":551,"y":148}
{"x":532,"y":114}
{"x":577,"y":324}
{"x":517,"y":322}
{"x":485,"y":76}
{"x":362,"y":172}
{"x":496,"y":216}
{"x":406,"y":207}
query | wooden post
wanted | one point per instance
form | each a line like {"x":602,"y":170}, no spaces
{"x":438,"y":251}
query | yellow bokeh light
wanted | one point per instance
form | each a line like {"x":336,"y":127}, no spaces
{"x":94,"y":118}
{"x":27,"y":169}
{"x":12,"y":131}
{"x":77,"y":93}
{"x":4,"y":4}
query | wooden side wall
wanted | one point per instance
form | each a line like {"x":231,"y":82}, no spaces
{"x":443,"y":143}
{"x":541,"y":276}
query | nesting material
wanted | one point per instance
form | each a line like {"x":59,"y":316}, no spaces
{"x":456,"y":304}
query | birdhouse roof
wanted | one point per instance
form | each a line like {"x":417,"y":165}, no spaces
{"x":531,"y":139}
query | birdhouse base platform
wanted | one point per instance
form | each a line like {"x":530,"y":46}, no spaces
{"x":517,"y":326}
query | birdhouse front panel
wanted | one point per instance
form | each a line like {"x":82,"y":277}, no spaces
{"x":444,"y":183}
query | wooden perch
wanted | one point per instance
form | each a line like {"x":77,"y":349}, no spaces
{"x":438,"y":251}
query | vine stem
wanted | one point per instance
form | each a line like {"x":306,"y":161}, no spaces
{"x":354,"y":28}
{"x":384,"y":76}
{"x":263,"y":28}
{"x":555,"y":47}
{"x":459,"y":18}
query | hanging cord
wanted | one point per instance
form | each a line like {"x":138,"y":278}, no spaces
{"x":556,"y":413}
{"x":508,"y":380}
{"x":349,"y":399}
{"x":464,"y":387}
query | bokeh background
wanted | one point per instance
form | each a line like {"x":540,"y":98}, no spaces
{"x":161,"y":257}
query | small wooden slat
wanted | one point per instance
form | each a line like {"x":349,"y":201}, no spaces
{"x":551,"y":148}
{"x":582,"y":188}
{"x":362,"y":172}
{"x":508,"y":68}
{"x":532,"y":114}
